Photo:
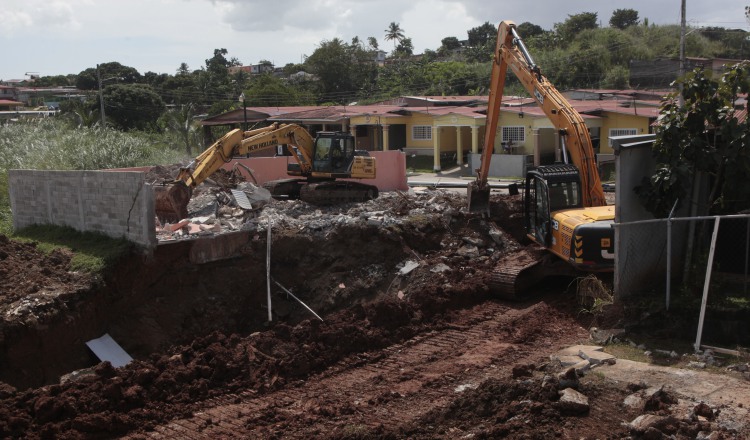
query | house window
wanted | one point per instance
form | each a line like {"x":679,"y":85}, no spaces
{"x":514,"y":134}
{"x":421,"y":132}
{"x":623,"y":132}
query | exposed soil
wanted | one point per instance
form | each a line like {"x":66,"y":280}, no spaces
{"x":411,"y":344}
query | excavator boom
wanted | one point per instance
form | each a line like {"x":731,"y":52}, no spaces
{"x":510,"y":51}
{"x":576,"y":229}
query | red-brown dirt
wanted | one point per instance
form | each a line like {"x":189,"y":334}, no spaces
{"x":425,"y":354}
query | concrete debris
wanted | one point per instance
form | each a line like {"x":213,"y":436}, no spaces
{"x":470,"y":251}
{"x":573,"y":402}
{"x":440,"y":268}
{"x":408,"y":266}
{"x":644,"y":422}
{"x":606,"y":336}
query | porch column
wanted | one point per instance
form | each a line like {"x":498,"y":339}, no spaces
{"x":375,"y":137}
{"x":385,"y":137}
{"x":537,"y":154}
{"x":436,"y":147}
{"x":459,"y":147}
{"x":475,"y":139}
{"x":353,"y":130}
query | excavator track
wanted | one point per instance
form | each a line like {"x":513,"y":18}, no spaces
{"x":518,"y":271}
{"x":513,"y":273}
{"x":284,"y":188}
{"x":337,"y":191}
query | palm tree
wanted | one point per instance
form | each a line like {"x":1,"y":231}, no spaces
{"x":180,"y":122}
{"x":394,"y":33}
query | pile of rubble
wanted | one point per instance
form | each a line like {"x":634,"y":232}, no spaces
{"x":248,"y":207}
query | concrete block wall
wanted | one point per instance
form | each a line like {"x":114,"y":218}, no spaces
{"x":114,"y":203}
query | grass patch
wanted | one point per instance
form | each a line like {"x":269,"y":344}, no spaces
{"x":627,"y":351}
{"x":93,"y":252}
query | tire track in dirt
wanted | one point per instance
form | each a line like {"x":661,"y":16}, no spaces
{"x":388,"y":389}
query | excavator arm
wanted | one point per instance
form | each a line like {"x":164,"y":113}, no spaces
{"x":171,"y":201}
{"x":237,"y":143}
{"x":510,"y":51}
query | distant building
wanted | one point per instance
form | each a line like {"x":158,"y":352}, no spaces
{"x":252,"y":69}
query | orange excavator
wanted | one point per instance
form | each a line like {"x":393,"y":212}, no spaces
{"x":319,"y":161}
{"x":564,"y":207}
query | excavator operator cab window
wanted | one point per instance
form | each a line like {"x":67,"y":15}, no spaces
{"x":564,"y":195}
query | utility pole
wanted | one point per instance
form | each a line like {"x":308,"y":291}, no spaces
{"x":244,"y":109}
{"x":682,"y":47}
{"x":101,"y":95}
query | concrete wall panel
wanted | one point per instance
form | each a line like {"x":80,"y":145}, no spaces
{"x":118,"y":204}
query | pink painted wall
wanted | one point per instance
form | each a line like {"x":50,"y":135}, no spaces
{"x":390,"y":166}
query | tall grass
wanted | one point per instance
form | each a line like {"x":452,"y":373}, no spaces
{"x":51,"y":144}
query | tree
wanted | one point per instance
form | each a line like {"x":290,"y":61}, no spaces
{"x":88,"y":79}
{"x":372,"y":42}
{"x":346,"y":72}
{"x":703,"y":135}
{"x":405,"y":48}
{"x":623,"y":18}
{"x":616,"y":78}
{"x":575,"y":24}
{"x":181,"y":123}
{"x":394,"y":33}
{"x":482,"y":35}
{"x":133,"y":106}
{"x":267,"y":90}
{"x":183,"y":69}
{"x":450,"y":43}
{"x":529,"y":30}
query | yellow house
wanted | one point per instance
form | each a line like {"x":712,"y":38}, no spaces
{"x":439,"y":130}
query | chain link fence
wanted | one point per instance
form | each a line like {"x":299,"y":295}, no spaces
{"x":698,"y":258}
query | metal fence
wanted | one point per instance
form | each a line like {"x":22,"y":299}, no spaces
{"x":707,"y":256}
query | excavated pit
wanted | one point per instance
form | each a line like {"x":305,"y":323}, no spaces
{"x":331,"y":258}
{"x":411,"y":345}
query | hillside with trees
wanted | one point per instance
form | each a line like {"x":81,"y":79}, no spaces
{"x":578,"y":52}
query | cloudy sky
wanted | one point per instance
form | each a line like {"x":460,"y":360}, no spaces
{"x":52,"y":37}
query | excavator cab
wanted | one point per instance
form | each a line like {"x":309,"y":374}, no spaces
{"x":333,"y":152}
{"x":549,"y":189}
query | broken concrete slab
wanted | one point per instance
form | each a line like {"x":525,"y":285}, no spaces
{"x":573,"y":402}
{"x":566,"y":360}
{"x":106,"y":349}
{"x":575,"y":350}
{"x":596,"y":357}
{"x":409,"y":266}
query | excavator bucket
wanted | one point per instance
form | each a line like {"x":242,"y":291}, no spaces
{"x":171,"y":202}
{"x":479,"y":198}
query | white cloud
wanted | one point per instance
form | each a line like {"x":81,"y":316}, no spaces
{"x":36,"y":16}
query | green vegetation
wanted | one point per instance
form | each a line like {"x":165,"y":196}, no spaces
{"x":93,"y":253}
{"x":54,"y":145}
{"x":699,"y":135}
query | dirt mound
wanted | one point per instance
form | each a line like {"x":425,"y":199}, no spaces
{"x":32,"y":282}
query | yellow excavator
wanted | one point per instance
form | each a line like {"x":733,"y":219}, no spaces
{"x":565,"y":211}
{"x":319,"y":161}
